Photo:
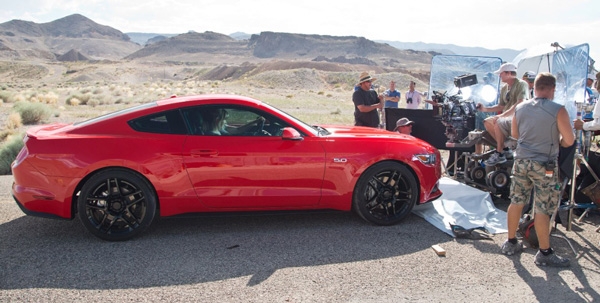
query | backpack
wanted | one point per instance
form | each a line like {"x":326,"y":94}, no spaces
{"x":527,"y":231}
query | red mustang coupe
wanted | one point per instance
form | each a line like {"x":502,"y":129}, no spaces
{"x":216,"y":153}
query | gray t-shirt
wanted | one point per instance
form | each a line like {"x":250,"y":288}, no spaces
{"x":538,"y":130}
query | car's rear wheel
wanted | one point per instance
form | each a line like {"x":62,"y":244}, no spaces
{"x":385,"y":193}
{"x":116,"y":204}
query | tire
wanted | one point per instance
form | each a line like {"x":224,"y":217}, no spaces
{"x":469,"y":169}
{"x":478,"y":174}
{"x":101,"y":208}
{"x":385,"y":193}
{"x":499,"y":179}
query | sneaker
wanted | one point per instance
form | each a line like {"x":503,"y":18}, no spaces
{"x":495,"y":158}
{"x":552,"y":259}
{"x":510,"y":249}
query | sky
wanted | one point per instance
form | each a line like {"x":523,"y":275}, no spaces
{"x":492,"y":24}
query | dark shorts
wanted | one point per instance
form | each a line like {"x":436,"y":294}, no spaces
{"x":529,"y":174}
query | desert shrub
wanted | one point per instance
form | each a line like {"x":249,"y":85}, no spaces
{"x":19,"y":98}
{"x":81,"y":99}
{"x":49,"y":98}
{"x":98,"y":91}
{"x":6,"y":96}
{"x":13,"y":121}
{"x":73,"y":101}
{"x":8,"y":152}
{"x":93,"y":102}
{"x":84,"y":98}
{"x":32,"y":113}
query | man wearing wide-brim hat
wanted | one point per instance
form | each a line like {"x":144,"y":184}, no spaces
{"x":404,"y":126}
{"x":366,"y":102}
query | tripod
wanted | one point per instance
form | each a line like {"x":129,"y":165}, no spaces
{"x":580,"y":157}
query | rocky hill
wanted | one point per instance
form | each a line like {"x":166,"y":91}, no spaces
{"x":75,"y":34}
{"x":208,"y":55}
{"x":25,"y":39}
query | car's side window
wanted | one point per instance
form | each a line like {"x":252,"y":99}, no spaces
{"x":168,"y":122}
{"x":227,"y":120}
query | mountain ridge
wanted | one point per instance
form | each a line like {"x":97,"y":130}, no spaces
{"x":19,"y":38}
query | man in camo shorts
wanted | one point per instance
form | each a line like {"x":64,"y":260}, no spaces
{"x":539,"y":125}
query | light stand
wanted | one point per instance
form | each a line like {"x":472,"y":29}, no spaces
{"x":580,"y":156}
{"x":382,"y":110}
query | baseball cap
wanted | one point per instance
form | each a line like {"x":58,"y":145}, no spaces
{"x":506,"y":67}
{"x":530,"y":76}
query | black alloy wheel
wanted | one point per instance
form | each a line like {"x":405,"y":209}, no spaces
{"x":385,"y":193}
{"x":116,"y":204}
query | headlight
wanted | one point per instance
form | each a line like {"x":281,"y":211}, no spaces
{"x":427,"y":159}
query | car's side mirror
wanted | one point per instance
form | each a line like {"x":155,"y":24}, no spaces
{"x":290,"y":133}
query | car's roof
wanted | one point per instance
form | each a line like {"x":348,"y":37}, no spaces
{"x":172,"y":103}
{"x":208,"y":98}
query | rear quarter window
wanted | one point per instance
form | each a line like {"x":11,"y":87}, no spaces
{"x":169,"y":122}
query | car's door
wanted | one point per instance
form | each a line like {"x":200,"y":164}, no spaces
{"x":250,"y":168}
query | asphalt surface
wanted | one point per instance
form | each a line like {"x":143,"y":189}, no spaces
{"x":325,"y":257}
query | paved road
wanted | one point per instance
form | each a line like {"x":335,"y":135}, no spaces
{"x":330,"y":257}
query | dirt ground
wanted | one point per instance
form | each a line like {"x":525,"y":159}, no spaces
{"x":323,"y":257}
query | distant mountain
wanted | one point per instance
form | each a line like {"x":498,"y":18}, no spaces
{"x":194,"y":46}
{"x":76,"y":37}
{"x":450,"y":49}
{"x":240,"y":36}
{"x":73,"y":26}
{"x":148,"y":38}
{"x":27,"y":39}
{"x":193,"y":43}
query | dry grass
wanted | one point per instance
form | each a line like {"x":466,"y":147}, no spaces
{"x":314,"y":96}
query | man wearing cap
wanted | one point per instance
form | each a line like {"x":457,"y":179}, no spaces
{"x":590,"y":94}
{"x":513,"y":92}
{"x":366,"y":103}
{"x":404,"y":126}
{"x":529,"y":77}
{"x":593,"y":125}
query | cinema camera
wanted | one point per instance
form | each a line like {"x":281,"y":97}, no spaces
{"x":457,"y":115}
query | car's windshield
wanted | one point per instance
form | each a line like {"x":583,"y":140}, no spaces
{"x":313,"y":130}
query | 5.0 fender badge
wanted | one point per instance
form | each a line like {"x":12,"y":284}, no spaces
{"x":340,"y":160}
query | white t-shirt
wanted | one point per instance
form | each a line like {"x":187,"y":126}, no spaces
{"x":415,"y":96}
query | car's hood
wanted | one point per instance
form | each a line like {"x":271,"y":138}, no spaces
{"x":337,"y":130}
{"x":369,"y":133}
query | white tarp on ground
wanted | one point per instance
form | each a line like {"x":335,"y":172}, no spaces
{"x":462,"y":205}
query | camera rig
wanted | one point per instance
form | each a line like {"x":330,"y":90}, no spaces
{"x":457,"y":115}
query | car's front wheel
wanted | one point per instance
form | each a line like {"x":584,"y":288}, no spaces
{"x":116,"y":204}
{"x":385,"y":193}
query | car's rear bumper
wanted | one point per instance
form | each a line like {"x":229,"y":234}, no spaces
{"x":37,"y":214}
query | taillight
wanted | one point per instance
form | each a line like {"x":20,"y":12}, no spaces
{"x":23,"y":153}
